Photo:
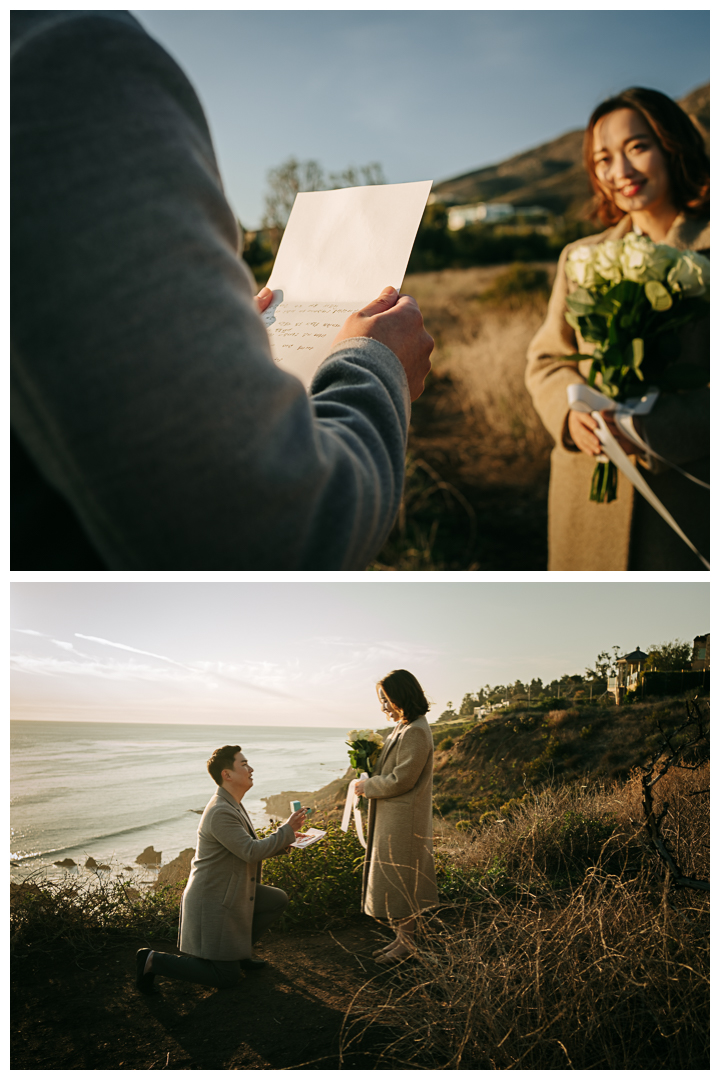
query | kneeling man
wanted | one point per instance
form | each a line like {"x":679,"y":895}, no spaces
{"x":224,"y":907}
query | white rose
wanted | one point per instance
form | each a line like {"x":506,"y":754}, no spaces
{"x":580,"y":266}
{"x":690,"y":275}
{"x":607,"y":260}
{"x":641,"y":260}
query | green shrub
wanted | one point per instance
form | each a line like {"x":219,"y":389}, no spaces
{"x":323,"y":882}
{"x":446,"y":744}
{"x":551,"y":703}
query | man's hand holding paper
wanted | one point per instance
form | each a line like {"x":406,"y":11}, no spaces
{"x":341,"y":249}
{"x":395,"y":321}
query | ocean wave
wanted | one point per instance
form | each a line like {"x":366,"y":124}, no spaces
{"x":83,"y":845}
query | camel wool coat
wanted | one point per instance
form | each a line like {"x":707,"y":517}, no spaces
{"x":399,"y":871}
{"x":217,"y":906}
{"x":627,"y":534}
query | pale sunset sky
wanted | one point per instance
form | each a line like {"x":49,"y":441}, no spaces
{"x":428,"y":94}
{"x":309,"y":654}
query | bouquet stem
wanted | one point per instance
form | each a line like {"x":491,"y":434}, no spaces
{"x":604,"y":483}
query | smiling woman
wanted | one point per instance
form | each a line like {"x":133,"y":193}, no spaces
{"x":650,"y":172}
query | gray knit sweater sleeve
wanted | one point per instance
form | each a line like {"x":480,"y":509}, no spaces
{"x":143,"y":387}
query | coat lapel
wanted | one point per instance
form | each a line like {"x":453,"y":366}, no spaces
{"x":389,"y":743}
{"x":241,"y":811}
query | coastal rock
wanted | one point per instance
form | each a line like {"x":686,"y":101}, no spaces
{"x":149,"y":857}
{"x":67,"y":864}
{"x":325,"y":801}
{"x":176,"y":870}
{"x":90,"y":864}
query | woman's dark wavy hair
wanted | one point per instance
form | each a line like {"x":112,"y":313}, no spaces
{"x":405,"y":692}
{"x":680,"y":141}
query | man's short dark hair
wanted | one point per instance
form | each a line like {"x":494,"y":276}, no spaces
{"x":222,"y":758}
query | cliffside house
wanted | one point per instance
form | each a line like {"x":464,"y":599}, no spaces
{"x":628,"y":669}
{"x":460,"y":216}
{"x":701,"y":653}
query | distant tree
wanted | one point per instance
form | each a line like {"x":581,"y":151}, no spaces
{"x":469,"y":703}
{"x":360,"y":177}
{"x":257,"y":251}
{"x":605,"y":665}
{"x":536,"y":688}
{"x":434,"y":246}
{"x":496,"y":694}
{"x":447,"y":715}
{"x":672,"y":656}
{"x":284,"y":183}
{"x":294,"y":176}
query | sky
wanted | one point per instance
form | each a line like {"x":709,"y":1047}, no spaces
{"x":310,"y":654}
{"x":428,"y":94}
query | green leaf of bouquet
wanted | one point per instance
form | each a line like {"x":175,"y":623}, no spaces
{"x":635,"y":353}
{"x":613,"y":357}
{"x":573,"y":320}
{"x":626,"y":292}
{"x":578,"y":305}
{"x":657,"y":294}
{"x":606,"y":307}
{"x":597,"y":325}
{"x":583,"y":296}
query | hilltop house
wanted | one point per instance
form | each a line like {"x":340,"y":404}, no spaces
{"x":628,"y":669}
{"x":633,"y":674}
{"x":701,"y":653}
{"x":460,"y":216}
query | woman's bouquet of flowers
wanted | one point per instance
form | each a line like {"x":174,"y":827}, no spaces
{"x":633,"y":297}
{"x":365,"y":747}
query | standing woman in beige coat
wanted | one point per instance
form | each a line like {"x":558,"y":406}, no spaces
{"x":648,"y":167}
{"x":399,"y":872}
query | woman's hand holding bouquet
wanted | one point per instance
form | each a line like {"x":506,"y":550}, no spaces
{"x":633,"y":297}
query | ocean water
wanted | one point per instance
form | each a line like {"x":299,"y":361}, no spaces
{"x":110,"y":790}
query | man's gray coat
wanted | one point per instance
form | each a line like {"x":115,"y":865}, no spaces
{"x":216,"y":913}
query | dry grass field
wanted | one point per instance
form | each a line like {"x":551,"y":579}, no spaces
{"x":478,"y":462}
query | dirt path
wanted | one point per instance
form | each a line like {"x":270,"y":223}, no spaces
{"x":73,"y":1012}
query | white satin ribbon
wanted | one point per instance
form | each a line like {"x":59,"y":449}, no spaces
{"x":583,"y":398}
{"x":352,"y":806}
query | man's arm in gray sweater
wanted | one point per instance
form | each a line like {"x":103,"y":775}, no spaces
{"x":143,"y":385}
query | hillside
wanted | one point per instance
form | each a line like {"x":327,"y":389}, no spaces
{"x":482,"y":768}
{"x":550,"y":175}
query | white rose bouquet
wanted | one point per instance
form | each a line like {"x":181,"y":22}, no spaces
{"x":632,"y":298}
{"x":365,"y":747}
